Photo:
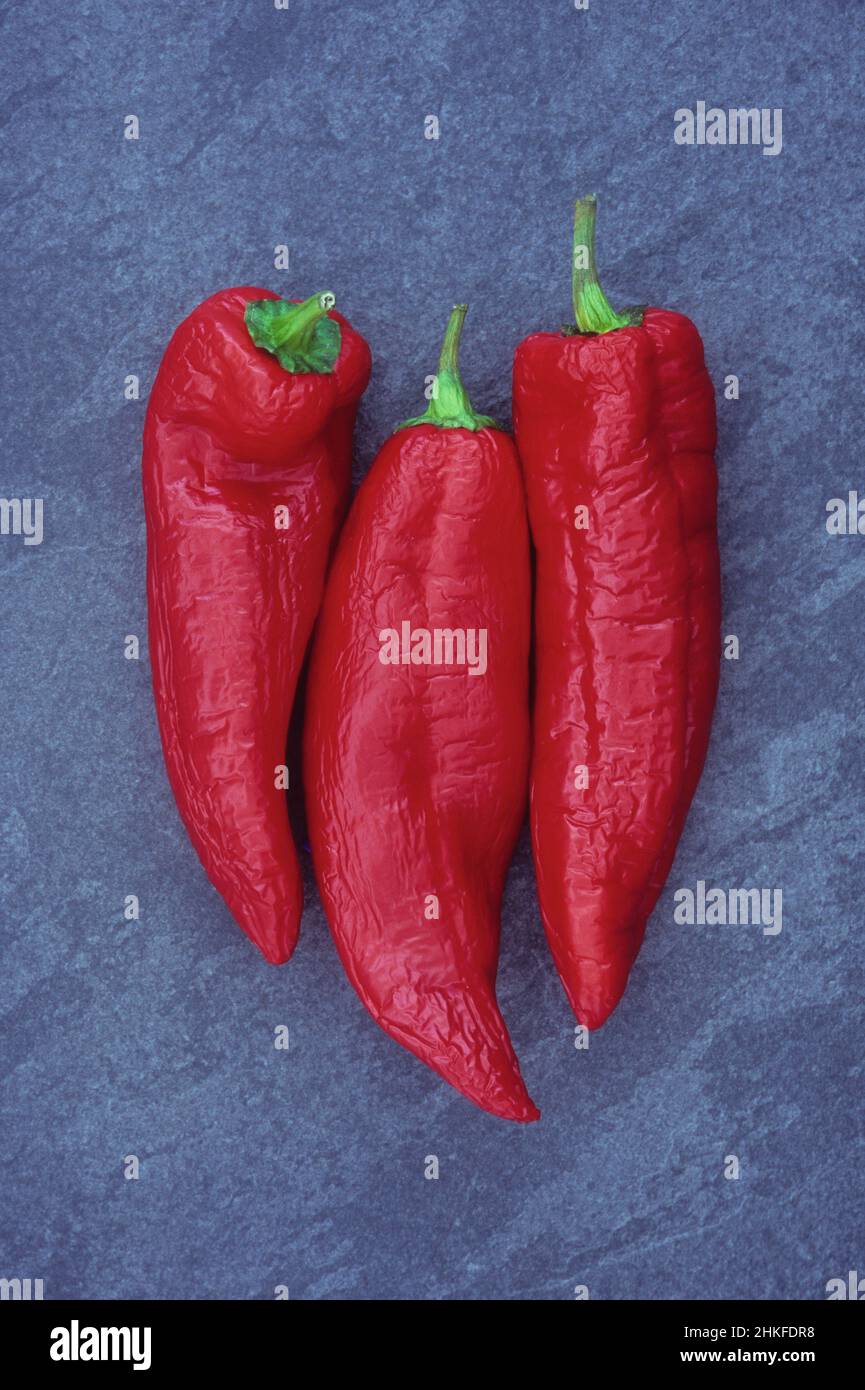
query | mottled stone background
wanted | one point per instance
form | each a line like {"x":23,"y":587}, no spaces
{"x":258,"y":1167}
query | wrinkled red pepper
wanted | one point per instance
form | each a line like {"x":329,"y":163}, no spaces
{"x":615,"y":426}
{"x":416,"y":767}
{"x":246,"y":471}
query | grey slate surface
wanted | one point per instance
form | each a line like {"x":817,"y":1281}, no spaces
{"x":305,"y":1168}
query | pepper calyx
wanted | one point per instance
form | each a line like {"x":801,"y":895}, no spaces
{"x":300,"y":336}
{"x":450,"y":407}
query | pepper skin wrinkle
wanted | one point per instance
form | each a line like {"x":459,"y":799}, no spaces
{"x":234,"y":585}
{"x":615,"y":429}
{"x":416,"y":774}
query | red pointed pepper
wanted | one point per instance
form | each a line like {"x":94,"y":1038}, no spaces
{"x":417,"y":737}
{"x":246,"y":472}
{"x":615,"y":426}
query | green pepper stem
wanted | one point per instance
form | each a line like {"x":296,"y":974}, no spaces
{"x":450,"y":407}
{"x":592,"y":310}
{"x":300,"y":336}
{"x":296,"y":328}
{"x":449,"y":356}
